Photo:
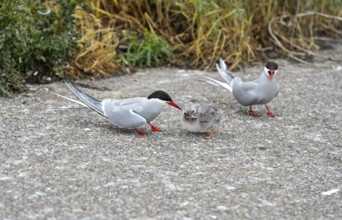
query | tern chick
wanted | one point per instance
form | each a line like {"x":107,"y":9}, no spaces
{"x":201,"y":120}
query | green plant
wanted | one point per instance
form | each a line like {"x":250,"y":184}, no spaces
{"x":13,"y":41}
{"x":53,"y":36}
{"x":37,"y":38}
{"x":149,"y":50}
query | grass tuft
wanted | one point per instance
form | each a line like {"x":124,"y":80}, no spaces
{"x":198,"y":32}
{"x":147,"y":51}
{"x":97,"y":48}
{"x":100,"y":38}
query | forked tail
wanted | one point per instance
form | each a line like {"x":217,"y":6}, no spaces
{"x":88,"y":100}
{"x":217,"y":83}
{"x":226,"y":75}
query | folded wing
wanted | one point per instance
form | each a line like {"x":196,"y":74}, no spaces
{"x":123,"y":116}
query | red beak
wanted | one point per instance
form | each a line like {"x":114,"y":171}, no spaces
{"x":271,"y":74}
{"x":174,"y":105}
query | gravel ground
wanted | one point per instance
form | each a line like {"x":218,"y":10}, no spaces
{"x":60,"y":160}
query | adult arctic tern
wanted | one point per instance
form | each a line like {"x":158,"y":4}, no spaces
{"x":257,"y":92}
{"x":133,"y":113}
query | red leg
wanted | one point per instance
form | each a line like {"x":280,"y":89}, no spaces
{"x":142,"y":133}
{"x":154,"y":128}
{"x":210,"y":134}
{"x":253,"y":113}
{"x":269,"y":113}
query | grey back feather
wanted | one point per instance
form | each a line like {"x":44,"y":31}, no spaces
{"x":209,"y":114}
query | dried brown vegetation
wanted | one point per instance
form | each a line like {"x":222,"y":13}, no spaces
{"x":198,"y":32}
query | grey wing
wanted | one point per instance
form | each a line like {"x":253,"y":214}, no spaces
{"x":131,"y":102}
{"x":90,"y":101}
{"x":208,"y":114}
{"x":245,"y":92}
{"x":122,"y":116}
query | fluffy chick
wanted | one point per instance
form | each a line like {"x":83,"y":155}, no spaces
{"x":201,"y":120}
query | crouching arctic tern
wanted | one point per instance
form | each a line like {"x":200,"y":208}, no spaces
{"x":133,"y":113}
{"x":257,"y":92}
{"x":201,"y":119}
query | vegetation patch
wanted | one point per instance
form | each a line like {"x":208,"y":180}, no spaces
{"x":42,"y":40}
{"x":195,"y":33}
{"x":37,"y":39}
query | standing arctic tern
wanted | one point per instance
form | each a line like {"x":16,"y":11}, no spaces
{"x":257,"y":92}
{"x":133,"y":113}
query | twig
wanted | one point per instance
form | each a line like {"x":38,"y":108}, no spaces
{"x":301,"y":48}
{"x":279,"y":44}
{"x":275,"y":38}
{"x":312,"y":13}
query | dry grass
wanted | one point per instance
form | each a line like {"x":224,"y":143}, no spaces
{"x":201,"y":31}
{"x":97,"y":48}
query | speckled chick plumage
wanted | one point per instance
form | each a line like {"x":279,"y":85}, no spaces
{"x":201,"y":119}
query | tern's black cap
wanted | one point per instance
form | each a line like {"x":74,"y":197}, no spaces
{"x":159,"y":94}
{"x":271,"y":66}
